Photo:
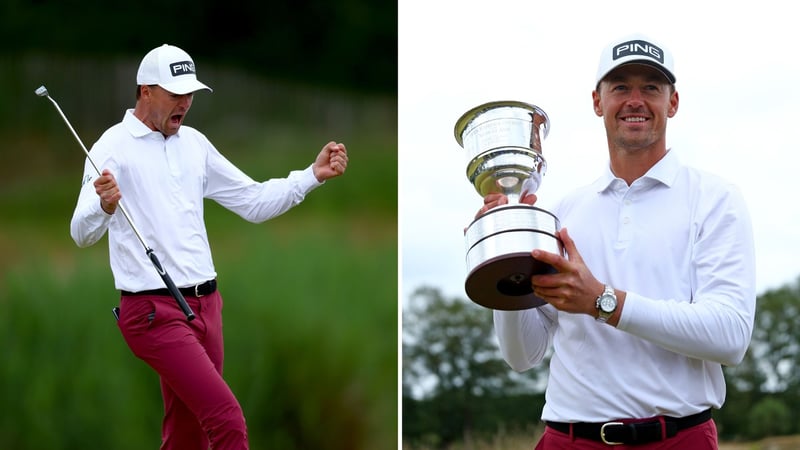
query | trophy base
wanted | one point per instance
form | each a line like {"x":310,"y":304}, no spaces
{"x":499,"y":256}
{"x":504,"y":283}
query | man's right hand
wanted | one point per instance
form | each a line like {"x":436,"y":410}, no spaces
{"x":108,"y":191}
{"x":497,"y":199}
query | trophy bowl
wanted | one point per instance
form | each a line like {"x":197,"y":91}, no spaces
{"x":502,"y":140}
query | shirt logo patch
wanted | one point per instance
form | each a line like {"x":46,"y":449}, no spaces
{"x":86,"y":178}
{"x":181,"y":68}
{"x":638,"y":48}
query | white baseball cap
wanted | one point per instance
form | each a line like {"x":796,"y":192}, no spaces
{"x":171,"y":68}
{"x":636,"y":49}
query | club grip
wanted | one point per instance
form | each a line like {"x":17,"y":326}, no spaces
{"x":176,"y":293}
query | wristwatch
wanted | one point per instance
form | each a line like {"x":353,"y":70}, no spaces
{"x":606,"y":304}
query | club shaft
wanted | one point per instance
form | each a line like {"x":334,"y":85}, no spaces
{"x":176,"y":293}
{"x":96,"y":169}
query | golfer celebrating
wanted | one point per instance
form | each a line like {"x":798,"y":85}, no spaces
{"x":164,"y":170}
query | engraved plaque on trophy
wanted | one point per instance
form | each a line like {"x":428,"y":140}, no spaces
{"x":502,"y":141}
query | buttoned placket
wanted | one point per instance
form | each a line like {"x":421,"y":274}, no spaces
{"x":625,"y":218}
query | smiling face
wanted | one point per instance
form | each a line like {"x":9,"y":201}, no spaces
{"x":635,"y":101}
{"x":162,"y":110}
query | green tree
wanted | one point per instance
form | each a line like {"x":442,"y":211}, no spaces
{"x":454,"y":379}
{"x":776,"y":342}
{"x":769,"y":417}
{"x":770,"y":371}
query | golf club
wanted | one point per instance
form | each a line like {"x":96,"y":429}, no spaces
{"x":176,"y":293}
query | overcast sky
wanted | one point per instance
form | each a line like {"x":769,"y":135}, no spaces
{"x":738,"y":78}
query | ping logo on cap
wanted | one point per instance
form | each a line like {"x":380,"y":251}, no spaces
{"x":181,"y":68}
{"x":638,"y":48}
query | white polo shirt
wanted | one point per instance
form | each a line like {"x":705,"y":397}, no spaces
{"x":163,"y":183}
{"x":680,"y":243}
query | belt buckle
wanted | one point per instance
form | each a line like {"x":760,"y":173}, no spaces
{"x":197,"y":290}
{"x":603,"y":433}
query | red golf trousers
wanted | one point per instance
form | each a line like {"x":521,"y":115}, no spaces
{"x":199,"y":407}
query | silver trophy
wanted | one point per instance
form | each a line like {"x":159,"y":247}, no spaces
{"x":502,"y":140}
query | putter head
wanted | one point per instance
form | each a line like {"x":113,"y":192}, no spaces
{"x":41,"y":91}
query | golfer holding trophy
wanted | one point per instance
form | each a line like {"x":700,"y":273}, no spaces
{"x":661,"y":294}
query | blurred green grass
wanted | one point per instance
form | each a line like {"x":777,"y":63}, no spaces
{"x":310,"y":324}
{"x":310,"y":297}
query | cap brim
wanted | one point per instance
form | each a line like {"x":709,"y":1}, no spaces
{"x":644,"y":62}
{"x":185,"y":87}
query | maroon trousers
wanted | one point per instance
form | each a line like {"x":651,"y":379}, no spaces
{"x":698,"y":437}
{"x":199,"y":407}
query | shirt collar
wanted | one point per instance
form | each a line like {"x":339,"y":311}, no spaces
{"x":137,"y":128}
{"x":664,"y":172}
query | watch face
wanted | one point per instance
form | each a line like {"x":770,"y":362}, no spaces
{"x":608,"y":303}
